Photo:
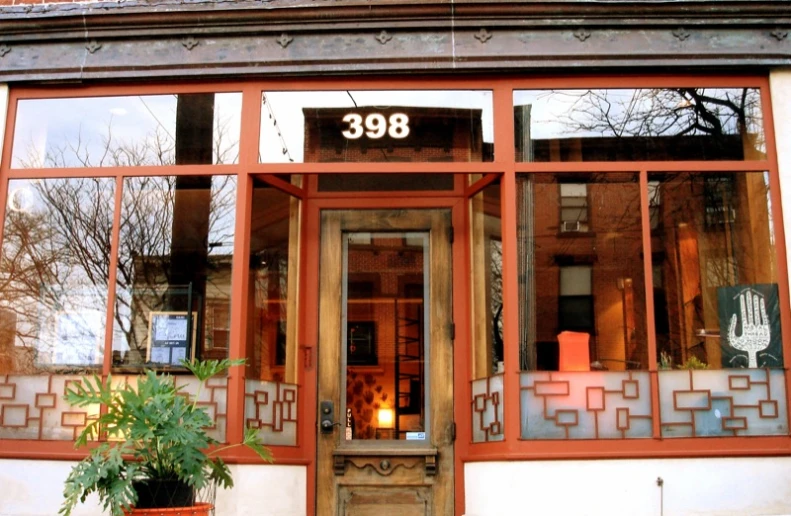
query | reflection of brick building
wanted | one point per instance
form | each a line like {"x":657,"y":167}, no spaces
{"x":707,"y":235}
{"x":612,"y":308}
{"x":435,"y":135}
{"x":703,"y":235}
{"x":385,"y":290}
{"x":640,"y":148}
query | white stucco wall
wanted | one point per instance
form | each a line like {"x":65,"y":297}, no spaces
{"x":732,"y":487}
{"x":780,"y":87}
{"x":34,"y":488}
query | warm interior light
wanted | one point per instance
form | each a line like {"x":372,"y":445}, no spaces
{"x":574,"y":353}
{"x":385,"y":418}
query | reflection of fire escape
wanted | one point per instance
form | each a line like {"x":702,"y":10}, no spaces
{"x":408,"y":362}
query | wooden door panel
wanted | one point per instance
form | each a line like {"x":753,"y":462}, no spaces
{"x":392,"y":477}
{"x":392,"y":501}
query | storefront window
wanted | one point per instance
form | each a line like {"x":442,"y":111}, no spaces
{"x":583,"y":323}
{"x":672,"y":124}
{"x":127,"y":131}
{"x":54,"y":274}
{"x":271,"y":337}
{"x":647,"y":298}
{"x":376,"y":126}
{"x":486,"y":278}
{"x":716,"y":306}
{"x":173,"y":288}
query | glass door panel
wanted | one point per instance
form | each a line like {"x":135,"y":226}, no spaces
{"x":386,"y":344}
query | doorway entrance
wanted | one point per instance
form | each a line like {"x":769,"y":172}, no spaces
{"x":385,"y":368}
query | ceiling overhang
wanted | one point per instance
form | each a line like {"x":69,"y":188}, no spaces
{"x":220,"y":39}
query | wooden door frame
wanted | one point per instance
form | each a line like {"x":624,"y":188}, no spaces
{"x":310,"y":322}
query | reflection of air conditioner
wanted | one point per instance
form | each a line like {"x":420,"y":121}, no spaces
{"x":569,"y":226}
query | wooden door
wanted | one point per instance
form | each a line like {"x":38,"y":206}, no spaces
{"x":385,"y":389}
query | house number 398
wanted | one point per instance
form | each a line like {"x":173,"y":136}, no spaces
{"x":375,"y":126}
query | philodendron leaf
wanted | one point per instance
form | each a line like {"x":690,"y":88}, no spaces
{"x":252,"y":441}
{"x":104,"y":472}
{"x":205,"y":369}
{"x":220,"y":473}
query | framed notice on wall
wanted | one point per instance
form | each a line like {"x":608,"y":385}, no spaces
{"x":167,"y":337}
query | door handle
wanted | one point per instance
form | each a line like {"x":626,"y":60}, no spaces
{"x":326,"y":417}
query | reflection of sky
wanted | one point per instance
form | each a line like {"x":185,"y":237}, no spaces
{"x":222,"y":220}
{"x":82,"y":127}
{"x":282,"y":113}
{"x":552,"y":110}
{"x":545,"y":111}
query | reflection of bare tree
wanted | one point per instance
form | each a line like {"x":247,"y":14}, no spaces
{"x":145,"y":259}
{"x":656,"y":112}
{"x":666,"y":112}
{"x":55,"y":257}
{"x":155,"y":148}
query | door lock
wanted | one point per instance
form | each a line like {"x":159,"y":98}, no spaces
{"x":326,"y":417}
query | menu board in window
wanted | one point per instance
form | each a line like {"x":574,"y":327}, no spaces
{"x":167,"y":338}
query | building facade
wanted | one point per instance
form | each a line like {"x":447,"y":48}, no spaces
{"x":480,"y":257}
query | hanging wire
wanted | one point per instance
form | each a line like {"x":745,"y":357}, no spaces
{"x":154,"y":116}
{"x":271,"y":112}
{"x":349,"y":93}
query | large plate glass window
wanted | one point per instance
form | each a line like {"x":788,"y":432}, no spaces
{"x":54,"y":274}
{"x":648,"y":124}
{"x":376,"y":126}
{"x":173,"y":285}
{"x":583,"y":322}
{"x":127,"y":131}
{"x":716,"y":305}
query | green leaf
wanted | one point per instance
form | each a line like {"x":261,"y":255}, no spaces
{"x":205,"y":369}
{"x":253,"y":441}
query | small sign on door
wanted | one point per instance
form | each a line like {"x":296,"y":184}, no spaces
{"x":348,"y":424}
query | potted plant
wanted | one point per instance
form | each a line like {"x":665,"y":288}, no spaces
{"x":157,"y":452}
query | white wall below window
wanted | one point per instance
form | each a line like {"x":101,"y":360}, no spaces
{"x":35,"y":487}
{"x":732,"y":487}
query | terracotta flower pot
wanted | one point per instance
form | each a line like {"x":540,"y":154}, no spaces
{"x":199,"y":509}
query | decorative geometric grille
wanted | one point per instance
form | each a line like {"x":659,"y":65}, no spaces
{"x":271,"y":407}
{"x":585,"y":405}
{"x":727,"y":402}
{"x":487,"y":409}
{"x":32,"y":407}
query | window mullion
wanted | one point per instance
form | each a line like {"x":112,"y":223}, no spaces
{"x":111,"y":277}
